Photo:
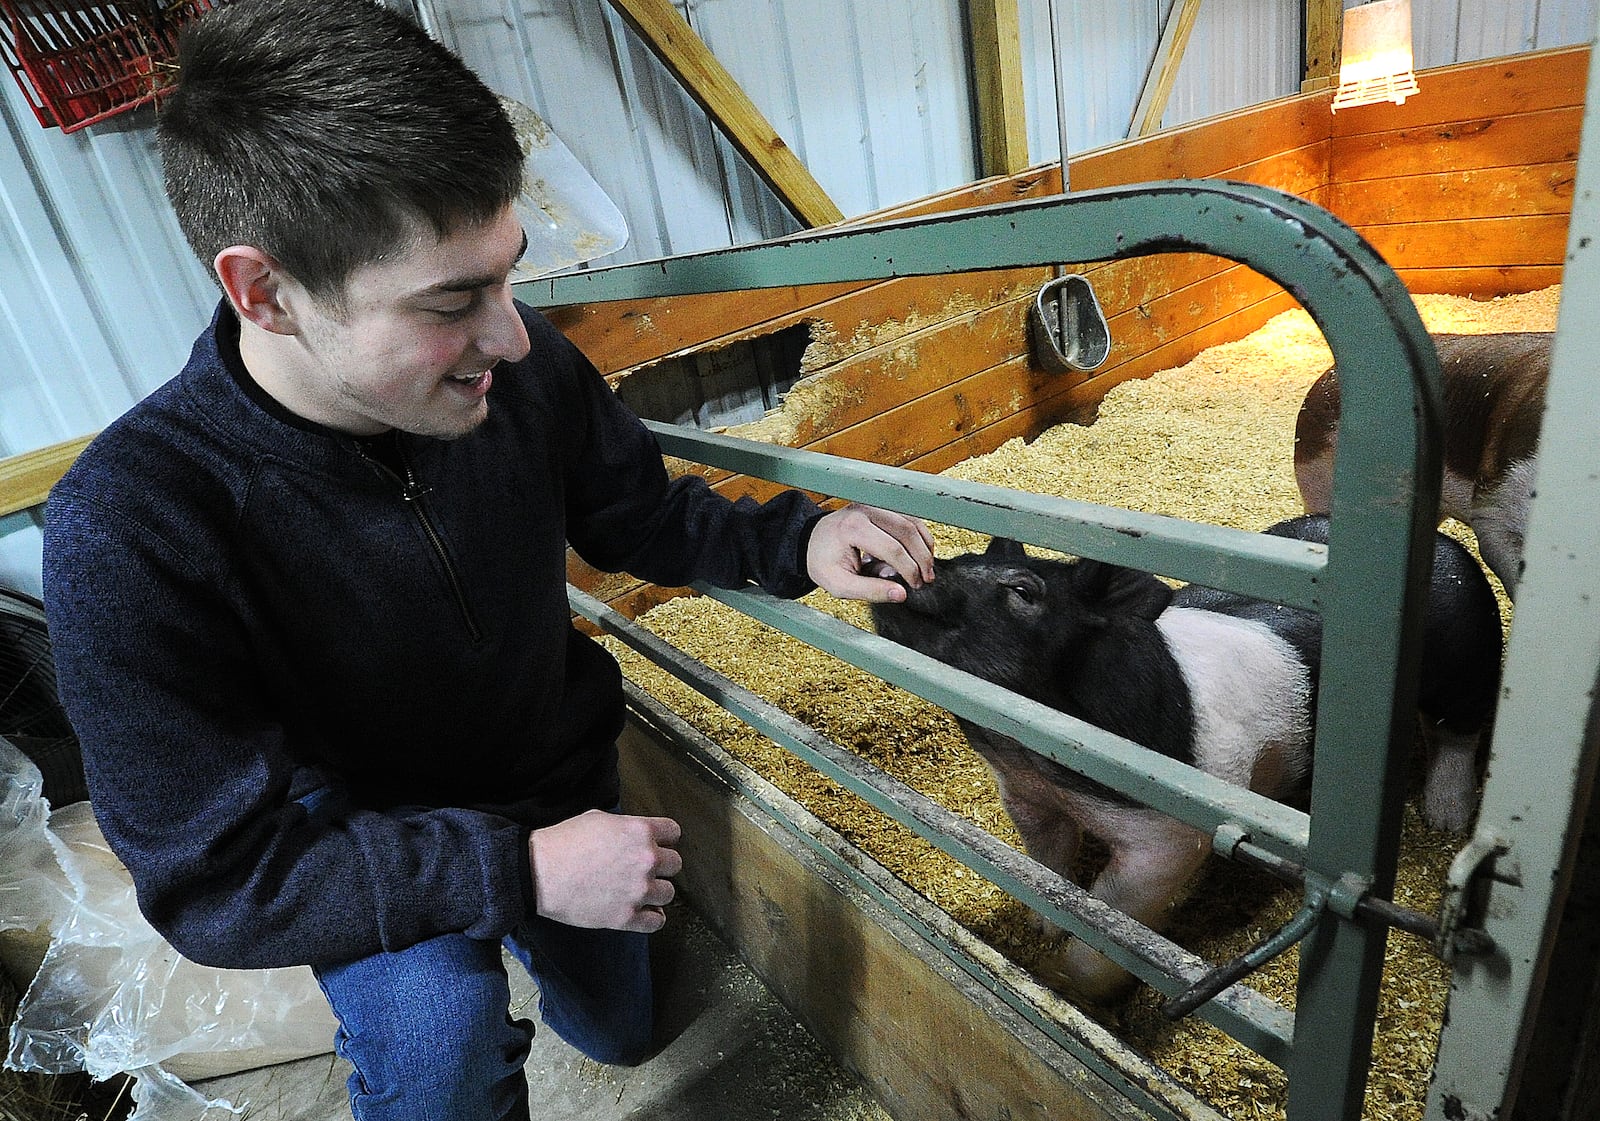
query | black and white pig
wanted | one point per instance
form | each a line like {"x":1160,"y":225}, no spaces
{"x":1494,"y":388}
{"x":1220,"y":681}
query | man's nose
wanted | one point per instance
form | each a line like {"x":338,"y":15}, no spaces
{"x":503,"y":335}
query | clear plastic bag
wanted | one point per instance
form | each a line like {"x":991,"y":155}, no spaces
{"x":110,"y":995}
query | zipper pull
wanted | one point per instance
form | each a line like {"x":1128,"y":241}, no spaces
{"x":413,"y":490}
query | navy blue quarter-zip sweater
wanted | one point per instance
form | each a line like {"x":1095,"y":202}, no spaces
{"x":245,"y":607}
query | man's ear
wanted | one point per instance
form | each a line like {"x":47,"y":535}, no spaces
{"x":254,"y":283}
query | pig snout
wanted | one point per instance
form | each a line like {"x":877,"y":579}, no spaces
{"x":973,"y":616}
{"x":883,"y":570}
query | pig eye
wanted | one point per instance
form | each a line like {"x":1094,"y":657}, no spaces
{"x":1022,"y":591}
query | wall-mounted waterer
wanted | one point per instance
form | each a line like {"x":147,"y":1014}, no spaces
{"x":1067,"y":328}
{"x":1067,"y":331}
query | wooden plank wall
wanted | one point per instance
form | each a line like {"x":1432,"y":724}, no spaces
{"x":1465,"y":189}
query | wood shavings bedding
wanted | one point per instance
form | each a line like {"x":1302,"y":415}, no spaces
{"x":1210,"y":441}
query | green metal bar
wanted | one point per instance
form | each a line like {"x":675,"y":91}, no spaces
{"x":1170,"y":786}
{"x":1275,"y":568}
{"x":1248,"y":962}
{"x":1385,"y":493}
{"x":1253,"y":1019}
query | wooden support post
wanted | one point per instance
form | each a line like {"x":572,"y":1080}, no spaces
{"x":1324,"y":27}
{"x":997,"y":81}
{"x":25,"y":480}
{"x":1164,"y":69}
{"x":691,"y":62}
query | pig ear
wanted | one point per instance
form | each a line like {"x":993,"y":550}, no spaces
{"x":1004,"y":549}
{"x":1117,"y":590}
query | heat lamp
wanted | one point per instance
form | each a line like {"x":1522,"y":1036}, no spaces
{"x":1375,"y":57}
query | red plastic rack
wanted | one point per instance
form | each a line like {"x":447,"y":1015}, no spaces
{"x":81,"y":61}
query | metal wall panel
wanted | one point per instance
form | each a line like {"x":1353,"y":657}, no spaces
{"x":872,"y":97}
{"x":98,"y":291}
{"x":1241,"y":52}
{"x":1106,"y":51}
{"x":1561,"y":24}
{"x":1485,"y":28}
{"x":99,"y":295}
{"x":1449,"y":31}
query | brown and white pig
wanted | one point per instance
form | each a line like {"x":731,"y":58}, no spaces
{"x":1493,"y":405}
{"x":1221,"y":681}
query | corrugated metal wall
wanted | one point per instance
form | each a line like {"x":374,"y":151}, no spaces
{"x":1240,"y":52}
{"x":99,"y":296}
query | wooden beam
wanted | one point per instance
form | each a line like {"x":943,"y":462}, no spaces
{"x":997,"y":80}
{"x":25,"y":480}
{"x":1324,"y":26}
{"x":691,"y":62}
{"x":876,"y":983}
{"x":1164,"y":69}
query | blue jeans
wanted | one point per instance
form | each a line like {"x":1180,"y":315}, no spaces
{"x":429,"y":1029}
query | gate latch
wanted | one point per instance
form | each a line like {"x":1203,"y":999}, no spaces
{"x":1450,"y":935}
{"x":1462,"y":906}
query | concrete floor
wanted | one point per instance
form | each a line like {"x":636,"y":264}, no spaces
{"x":733,"y":1053}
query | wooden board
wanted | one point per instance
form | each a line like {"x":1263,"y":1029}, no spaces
{"x":1152,"y":104}
{"x":889,"y":1001}
{"x":1324,"y":25}
{"x":1218,"y":147}
{"x":997,"y":86}
{"x":1472,"y":242}
{"x":667,"y":33}
{"x":25,"y":480}
{"x":1529,"y":189}
{"x":1514,"y":141}
{"x":1475,"y":282}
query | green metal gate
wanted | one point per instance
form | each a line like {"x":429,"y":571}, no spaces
{"x":1369,"y":584}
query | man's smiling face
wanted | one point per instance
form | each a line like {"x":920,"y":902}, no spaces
{"x":416,"y":341}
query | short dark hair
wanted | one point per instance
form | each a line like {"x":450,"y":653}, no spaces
{"x":323,"y":132}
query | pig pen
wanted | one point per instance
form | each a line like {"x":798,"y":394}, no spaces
{"x":1466,"y":190}
{"x":1210,"y":441}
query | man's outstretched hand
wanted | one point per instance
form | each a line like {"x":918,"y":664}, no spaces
{"x":853,"y":550}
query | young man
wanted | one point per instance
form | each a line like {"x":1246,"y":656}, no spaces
{"x":307,"y":599}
